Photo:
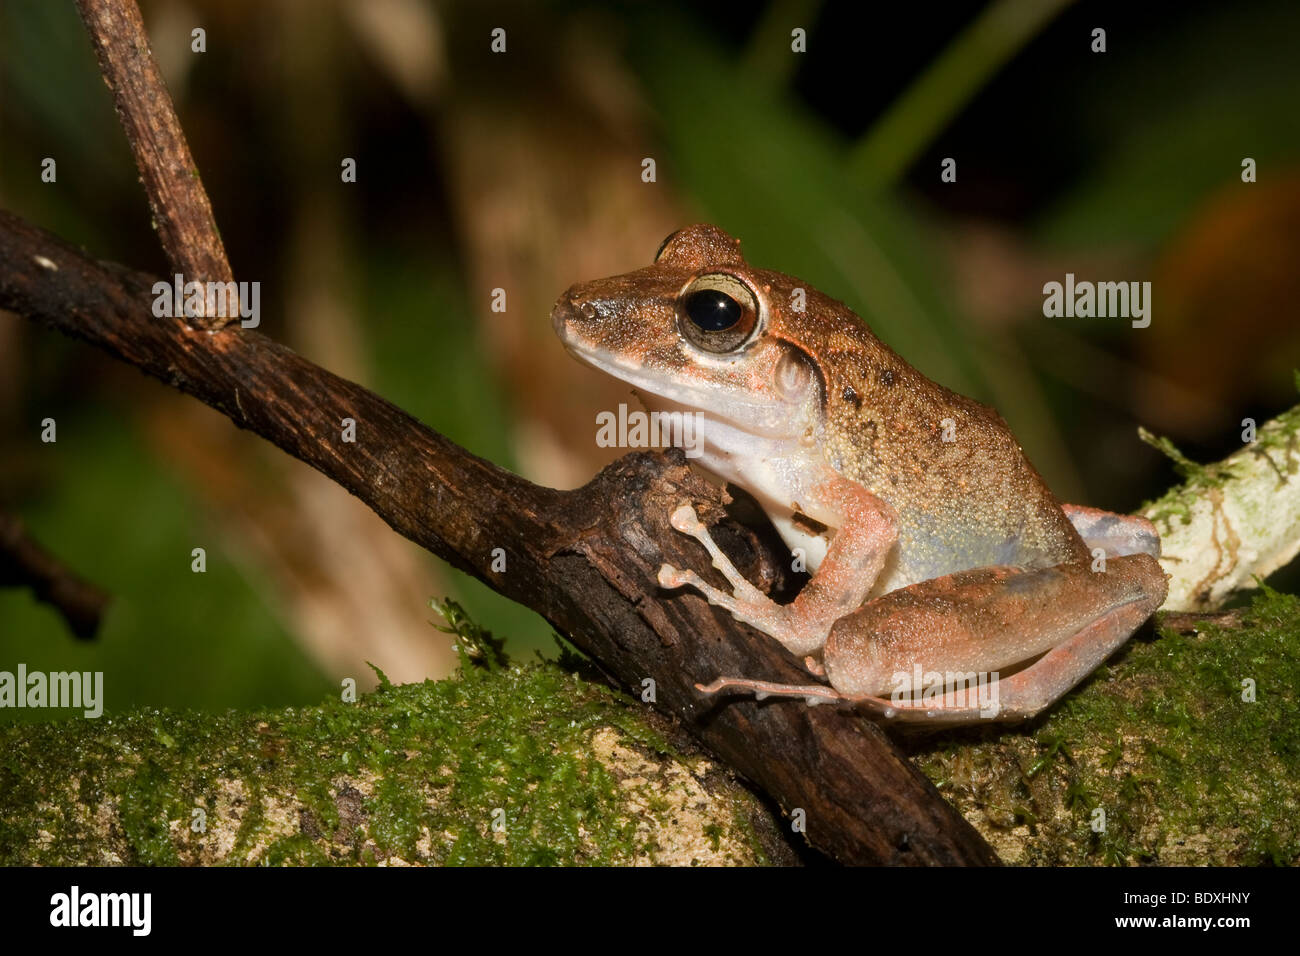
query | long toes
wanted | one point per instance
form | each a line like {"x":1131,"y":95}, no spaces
{"x":670,"y":577}
{"x":685,"y":520}
{"x":813,"y":694}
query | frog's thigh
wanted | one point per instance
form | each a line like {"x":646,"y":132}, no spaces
{"x":989,"y":619}
{"x":844,"y":578}
{"x":1115,"y":534}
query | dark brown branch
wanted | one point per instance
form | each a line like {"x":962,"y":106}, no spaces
{"x":585,"y":560}
{"x":177,"y":199}
{"x":25,"y":564}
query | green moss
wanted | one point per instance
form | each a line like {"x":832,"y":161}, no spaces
{"x":411,"y":773}
{"x":1187,"y":468}
{"x":1275,"y":442}
{"x":1161,"y":740}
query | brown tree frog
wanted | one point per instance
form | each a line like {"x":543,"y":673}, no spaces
{"x":934,"y":545}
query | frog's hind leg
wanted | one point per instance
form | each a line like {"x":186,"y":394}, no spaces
{"x":932,"y":652}
{"x":1049,"y":627}
{"x":1115,"y":534}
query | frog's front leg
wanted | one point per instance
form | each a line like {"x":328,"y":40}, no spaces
{"x":974,"y":624}
{"x":853,"y":561}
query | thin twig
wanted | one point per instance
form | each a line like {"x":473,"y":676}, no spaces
{"x":24,"y":563}
{"x":177,"y":199}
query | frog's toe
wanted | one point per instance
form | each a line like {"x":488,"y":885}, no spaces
{"x":685,"y":520}
{"x":871,"y":706}
{"x":812,"y":694}
{"x":746,"y":603}
{"x":670,"y":577}
{"x":1117,"y":535}
{"x":759,"y":611}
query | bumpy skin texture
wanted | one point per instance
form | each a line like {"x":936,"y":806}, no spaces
{"x":943,"y":624}
{"x":934,"y":541}
{"x":971,"y":502}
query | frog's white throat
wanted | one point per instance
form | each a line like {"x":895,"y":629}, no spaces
{"x":768,"y":446}
{"x":769,"y":465}
{"x":773,"y":468}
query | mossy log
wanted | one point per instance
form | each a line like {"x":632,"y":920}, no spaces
{"x":1182,"y":750}
{"x":513,"y":766}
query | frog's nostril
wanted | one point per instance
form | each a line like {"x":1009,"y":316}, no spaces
{"x":571,"y":314}
{"x":560,"y":316}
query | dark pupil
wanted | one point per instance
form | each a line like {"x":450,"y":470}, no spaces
{"x":712,"y":311}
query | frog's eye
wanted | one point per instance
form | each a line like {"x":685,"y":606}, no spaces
{"x":718,"y":312}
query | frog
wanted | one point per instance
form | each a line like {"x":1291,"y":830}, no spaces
{"x":934,"y":546}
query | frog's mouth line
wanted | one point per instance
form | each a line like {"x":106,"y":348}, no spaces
{"x":765,"y":421}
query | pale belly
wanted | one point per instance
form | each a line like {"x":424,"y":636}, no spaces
{"x":926,"y":548}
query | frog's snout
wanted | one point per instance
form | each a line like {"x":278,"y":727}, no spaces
{"x":560,"y":314}
{"x":564,"y":315}
{"x":575,"y":317}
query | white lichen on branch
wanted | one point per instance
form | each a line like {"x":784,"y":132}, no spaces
{"x":1230,"y":522}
